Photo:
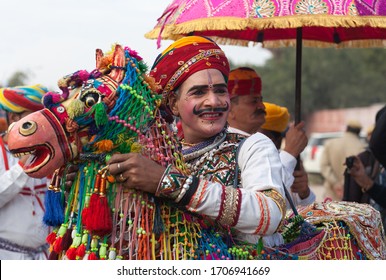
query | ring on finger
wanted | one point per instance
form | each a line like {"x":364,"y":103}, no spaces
{"x":121,"y":178}
{"x":119,"y":166}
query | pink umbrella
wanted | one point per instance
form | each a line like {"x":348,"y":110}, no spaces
{"x":277,"y":23}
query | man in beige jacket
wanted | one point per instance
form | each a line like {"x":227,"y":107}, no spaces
{"x":334,"y":156}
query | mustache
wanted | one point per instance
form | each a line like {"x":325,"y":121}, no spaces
{"x":215,"y":110}
{"x":260,"y":111}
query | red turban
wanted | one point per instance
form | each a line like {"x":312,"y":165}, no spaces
{"x":185,"y":57}
{"x":243,"y":81}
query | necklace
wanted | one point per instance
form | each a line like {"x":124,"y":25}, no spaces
{"x":203,"y":147}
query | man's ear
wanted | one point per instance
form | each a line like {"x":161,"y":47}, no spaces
{"x":231,"y":114}
{"x":172,"y":102}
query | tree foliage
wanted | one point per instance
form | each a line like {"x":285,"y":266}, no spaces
{"x":17,"y":79}
{"x":331,"y":78}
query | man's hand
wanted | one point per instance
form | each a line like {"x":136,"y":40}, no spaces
{"x":358,"y":172}
{"x":300,"y":184}
{"x":295,"y":139}
{"x":135,"y":171}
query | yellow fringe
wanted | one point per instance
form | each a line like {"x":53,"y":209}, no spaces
{"x":176,"y":31}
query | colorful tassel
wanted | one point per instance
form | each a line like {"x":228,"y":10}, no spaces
{"x":80,"y":251}
{"x":67,"y":239}
{"x":100,"y":114}
{"x":100,"y":221}
{"x":58,"y":245}
{"x":54,"y":214}
{"x":89,"y":211}
{"x":71,"y":253}
{"x":50,"y":239}
{"x":53,"y":255}
{"x":75,"y":109}
{"x":92,"y":256}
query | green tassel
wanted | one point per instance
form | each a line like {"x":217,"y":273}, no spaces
{"x":260,"y":246}
{"x":142,"y":66}
{"x":99,"y":110}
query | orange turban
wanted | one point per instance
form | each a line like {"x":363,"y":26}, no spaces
{"x":185,"y":57}
{"x":243,"y":81}
{"x":276,"y":118}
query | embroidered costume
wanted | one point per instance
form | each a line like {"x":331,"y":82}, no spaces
{"x":198,"y":211}
{"x":253,"y":208}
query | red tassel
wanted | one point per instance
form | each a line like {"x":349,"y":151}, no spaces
{"x":51,"y":238}
{"x":89,"y":212}
{"x":80,"y":251}
{"x":85,"y":216}
{"x":58,"y":245}
{"x":102,"y":219}
{"x":71,"y":253}
{"x":92,"y":256}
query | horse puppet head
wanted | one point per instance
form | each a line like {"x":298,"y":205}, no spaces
{"x":96,"y":113}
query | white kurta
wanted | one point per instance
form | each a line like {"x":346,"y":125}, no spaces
{"x":289,"y":164}
{"x":21,"y":210}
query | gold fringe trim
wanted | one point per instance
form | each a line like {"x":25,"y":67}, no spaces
{"x":176,"y":31}
{"x":369,"y":43}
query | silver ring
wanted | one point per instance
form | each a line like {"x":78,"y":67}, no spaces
{"x":121,"y":178}
{"x":119,"y":166}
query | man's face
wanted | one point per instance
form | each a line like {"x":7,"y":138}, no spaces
{"x":247,"y":113}
{"x":14,"y":117}
{"x":202,"y":105}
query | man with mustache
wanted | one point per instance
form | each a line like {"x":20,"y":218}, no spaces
{"x":192,"y":76}
{"x":248,"y":114}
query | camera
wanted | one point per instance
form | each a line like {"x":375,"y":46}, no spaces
{"x":350,"y":162}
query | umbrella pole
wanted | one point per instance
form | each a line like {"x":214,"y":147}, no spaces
{"x":298,"y":79}
{"x":298,"y":93}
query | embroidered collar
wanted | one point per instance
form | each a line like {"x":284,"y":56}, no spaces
{"x":192,"y":152}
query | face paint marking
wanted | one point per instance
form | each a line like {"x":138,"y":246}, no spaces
{"x":210,"y":82}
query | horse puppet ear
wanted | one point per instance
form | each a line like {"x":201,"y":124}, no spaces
{"x":98,"y":58}
{"x":119,"y":62}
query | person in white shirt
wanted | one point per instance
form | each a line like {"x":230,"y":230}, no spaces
{"x":275,"y":127}
{"x":248,"y":115}
{"x":22,"y":231}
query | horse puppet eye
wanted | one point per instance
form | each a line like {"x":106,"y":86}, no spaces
{"x":28,"y":128}
{"x":90,"y":99}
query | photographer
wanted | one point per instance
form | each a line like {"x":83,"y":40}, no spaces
{"x":377,"y":141}
{"x":369,"y":184}
{"x":365,"y":178}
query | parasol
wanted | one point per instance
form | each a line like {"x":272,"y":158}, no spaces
{"x":277,"y":23}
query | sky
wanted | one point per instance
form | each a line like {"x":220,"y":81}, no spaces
{"x":48,"y":39}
